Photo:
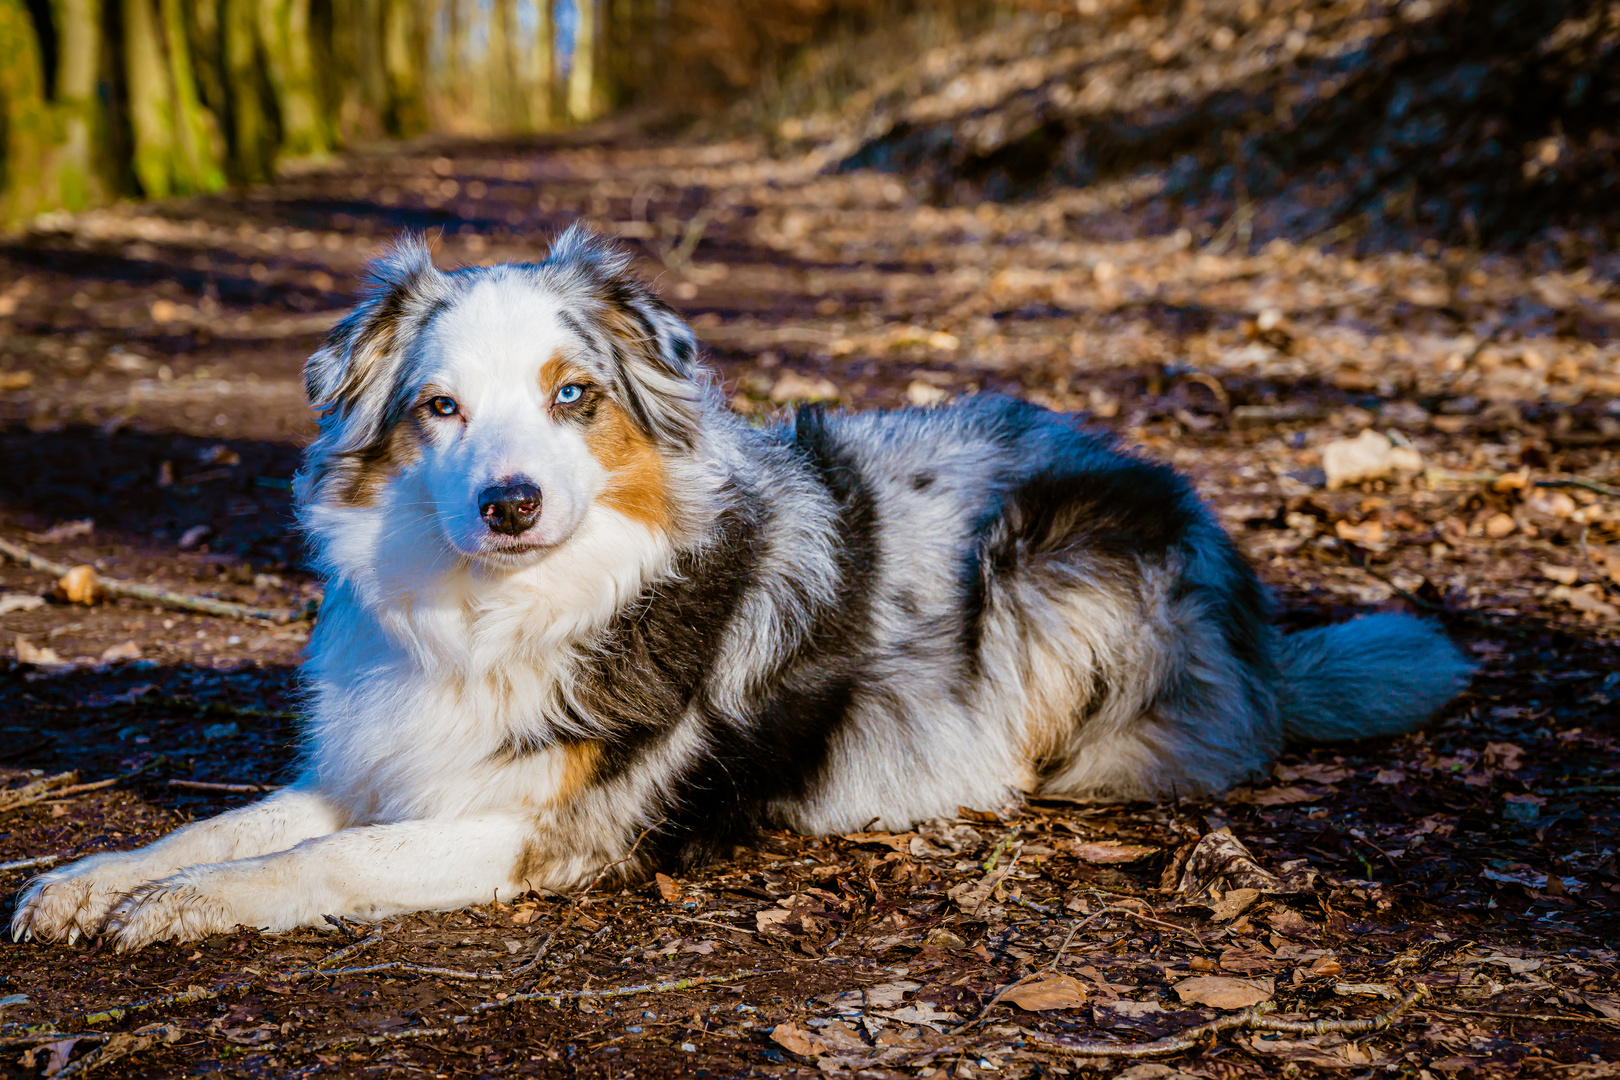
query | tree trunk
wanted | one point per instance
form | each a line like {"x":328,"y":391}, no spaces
{"x":284,"y":31}
{"x":503,"y":91}
{"x":198,"y":164}
{"x":151,"y":100}
{"x":252,"y":140}
{"x":23,"y":183}
{"x":403,"y":46}
{"x":80,"y":165}
{"x":545,"y":51}
{"x":582,"y":70}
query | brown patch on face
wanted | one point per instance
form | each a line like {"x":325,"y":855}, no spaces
{"x":359,"y":478}
{"x":556,"y":373}
{"x":635,"y":486}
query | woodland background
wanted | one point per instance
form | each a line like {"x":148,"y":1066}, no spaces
{"x":1351,"y":265}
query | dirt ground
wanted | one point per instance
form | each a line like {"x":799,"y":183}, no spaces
{"x":149,"y":385}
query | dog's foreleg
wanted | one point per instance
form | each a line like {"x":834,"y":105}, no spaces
{"x":365,"y":873}
{"x":75,"y":899}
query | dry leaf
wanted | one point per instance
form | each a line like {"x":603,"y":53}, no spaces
{"x":1326,"y":966}
{"x":894,"y":841}
{"x":13,"y":601}
{"x":1564,"y":575}
{"x":1110,"y":852}
{"x":837,"y":1035}
{"x":796,"y":1040}
{"x":127,"y":651}
{"x":64,"y":530}
{"x":1312,"y":771}
{"x":78,"y":585}
{"x":1233,"y":903}
{"x":1246,"y":961}
{"x":667,"y":888}
{"x":923,"y":394}
{"x":792,"y":386}
{"x":1221,"y":992}
{"x":881,"y":996}
{"x":28,"y":653}
{"x":772,"y":919}
{"x":1278,"y":796}
{"x":1047,"y":992}
{"x":1369,"y":456}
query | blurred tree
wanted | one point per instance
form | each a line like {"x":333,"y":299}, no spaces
{"x":284,"y":35}
{"x":51,"y":143}
{"x":100,"y":98}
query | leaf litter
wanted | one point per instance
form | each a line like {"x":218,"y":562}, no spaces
{"x":1447,"y":899}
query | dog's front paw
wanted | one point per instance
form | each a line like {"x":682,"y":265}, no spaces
{"x":179,"y":908}
{"x":65,"y":903}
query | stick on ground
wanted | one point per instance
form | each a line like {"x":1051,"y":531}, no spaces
{"x":153,"y":594}
{"x":1252,"y":1019}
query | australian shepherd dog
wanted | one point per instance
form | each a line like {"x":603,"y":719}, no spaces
{"x":573,"y":601}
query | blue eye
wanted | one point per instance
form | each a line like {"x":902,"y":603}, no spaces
{"x":570,"y":394}
{"x":444,"y":406}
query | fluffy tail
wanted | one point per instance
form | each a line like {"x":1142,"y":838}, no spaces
{"x":1377,"y":675}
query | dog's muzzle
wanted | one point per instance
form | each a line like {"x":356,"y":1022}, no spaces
{"x":509,"y":508}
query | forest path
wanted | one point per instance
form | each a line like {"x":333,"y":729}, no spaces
{"x":150,"y":360}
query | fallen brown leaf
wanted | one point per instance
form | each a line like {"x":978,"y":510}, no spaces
{"x":1221,"y":992}
{"x":78,"y":585}
{"x":1047,"y":992}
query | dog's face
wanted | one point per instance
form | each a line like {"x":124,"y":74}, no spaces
{"x":505,"y":402}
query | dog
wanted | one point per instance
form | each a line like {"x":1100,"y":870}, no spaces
{"x":580,"y":615}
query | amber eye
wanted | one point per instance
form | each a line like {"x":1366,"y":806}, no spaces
{"x":444,"y":406}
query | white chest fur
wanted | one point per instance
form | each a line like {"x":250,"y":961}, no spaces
{"x":418,"y":687}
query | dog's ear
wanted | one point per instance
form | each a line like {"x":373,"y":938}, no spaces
{"x":361,"y":373}
{"x":654,"y":351}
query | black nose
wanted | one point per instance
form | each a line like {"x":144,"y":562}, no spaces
{"x":509,"y":508}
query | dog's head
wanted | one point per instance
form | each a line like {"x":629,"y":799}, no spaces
{"x":506,"y":402}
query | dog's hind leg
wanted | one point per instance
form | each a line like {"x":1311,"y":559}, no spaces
{"x":364,"y":873}
{"x":75,"y":899}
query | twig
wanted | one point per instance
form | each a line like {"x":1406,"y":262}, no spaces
{"x":1079,"y":925}
{"x":1406,"y":594}
{"x":155,"y":595}
{"x":1541,"y":1017}
{"x":52,"y":1036}
{"x":384,"y":1037}
{"x":185,"y":997}
{"x":205,"y":785}
{"x":347,"y":951}
{"x":1039,"y":909}
{"x":1435,"y":477}
{"x":579,"y":901}
{"x":1073,"y":930}
{"x":680,"y":254}
{"x":35,"y":791}
{"x":80,"y":789}
{"x":558,"y":996}
{"x":1128,"y":913}
{"x":1252,"y":1019}
{"x":1367,"y":990}
{"x":416,"y":969}
{"x":24,"y":864}
{"x":693,"y":919}
{"x":995,"y":852}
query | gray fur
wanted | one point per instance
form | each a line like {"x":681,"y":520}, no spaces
{"x":1377,"y":675}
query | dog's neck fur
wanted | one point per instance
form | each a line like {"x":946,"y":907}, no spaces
{"x":409,"y":627}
